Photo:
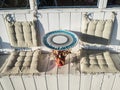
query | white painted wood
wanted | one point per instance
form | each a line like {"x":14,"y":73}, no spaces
{"x":102,"y":3}
{"x":0,"y":42}
{"x":86,"y":80}
{"x":3,"y":33}
{"x":65,"y":21}
{"x":105,"y":3}
{"x":116,"y":85}
{"x":1,"y":88}
{"x":29,"y":82}
{"x":54,"y":21}
{"x":29,"y":17}
{"x":76,"y":10}
{"x":43,"y":18}
{"x":20,"y":17}
{"x":17,"y":82}
{"x":63,"y":81}
{"x":96,"y":82}
{"x":98,"y":15}
{"x":40,"y":82}
{"x":108,"y":81}
{"x":6,"y":83}
{"x":74,"y":82}
{"x":33,"y":4}
{"x":52,"y":82}
{"x":115,"y":38}
{"x":108,"y":15}
{"x":18,"y":11}
{"x":117,"y":24}
{"x":75,"y":22}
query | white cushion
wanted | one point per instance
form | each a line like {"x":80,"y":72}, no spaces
{"x":95,"y":61}
{"x":96,"y":31}
{"x":23,"y":34}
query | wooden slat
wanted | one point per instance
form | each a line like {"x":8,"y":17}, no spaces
{"x":1,"y":87}
{"x":20,"y":17}
{"x":29,"y":82}
{"x":117,"y":25}
{"x":51,"y":74}
{"x":52,"y":82}
{"x":63,"y":77}
{"x":98,"y":15}
{"x":53,"y":21}
{"x":108,"y":81}
{"x":29,"y":17}
{"x":115,"y":39}
{"x":96,"y":82}
{"x":3,"y":33}
{"x":108,"y":15}
{"x":116,"y":85}
{"x":17,"y":82}
{"x":74,"y":82}
{"x":6,"y":83}
{"x":86,"y":80}
{"x":63,"y":82}
{"x":40,"y":82}
{"x":65,"y":21}
{"x":116,"y":60}
{"x":74,"y":73}
{"x":75,"y":22}
{"x":43,"y":24}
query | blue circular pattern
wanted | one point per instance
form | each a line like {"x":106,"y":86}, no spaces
{"x":72,"y":40}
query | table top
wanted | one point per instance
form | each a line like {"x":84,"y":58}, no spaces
{"x":60,"y":40}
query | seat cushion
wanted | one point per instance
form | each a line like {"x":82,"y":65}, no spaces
{"x":95,"y":61}
{"x":22,"y":62}
{"x":23,"y":34}
{"x":96,"y":31}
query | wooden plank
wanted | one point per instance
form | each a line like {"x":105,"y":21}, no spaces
{"x":65,"y":21}
{"x":1,"y":87}
{"x":3,"y":33}
{"x":96,"y":82}
{"x":51,"y":74}
{"x":29,"y":82}
{"x":75,"y":22}
{"x":61,"y":10}
{"x":117,"y":25}
{"x":54,"y":21}
{"x":74,"y":82}
{"x":17,"y":82}
{"x":108,"y":15}
{"x":29,"y":17}
{"x":86,"y":80}
{"x":98,"y":15}
{"x":116,"y":60}
{"x":40,"y":82}
{"x":43,"y":24}
{"x":52,"y":82}
{"x":63,"y":82}
{"x":115,"y":37}
{"x":6,"y":83}
{"x":20,"y":17}
{"x":116,"y":85}
{"x":74,"y":74}
{"x":63,"y":77}
{"x":108,"y":81}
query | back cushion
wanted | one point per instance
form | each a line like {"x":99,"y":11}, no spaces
{"x":23,"y":34}
{"x":96,"y":31}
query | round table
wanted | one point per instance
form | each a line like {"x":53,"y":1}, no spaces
{"x":60,"y":41}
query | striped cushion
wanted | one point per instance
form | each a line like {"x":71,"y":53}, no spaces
{"x":96,"y":31}
{"x":95,"y":61}
{"x":23,"y":34}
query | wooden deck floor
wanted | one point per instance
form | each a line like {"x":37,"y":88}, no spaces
{"x":62,"y":78}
